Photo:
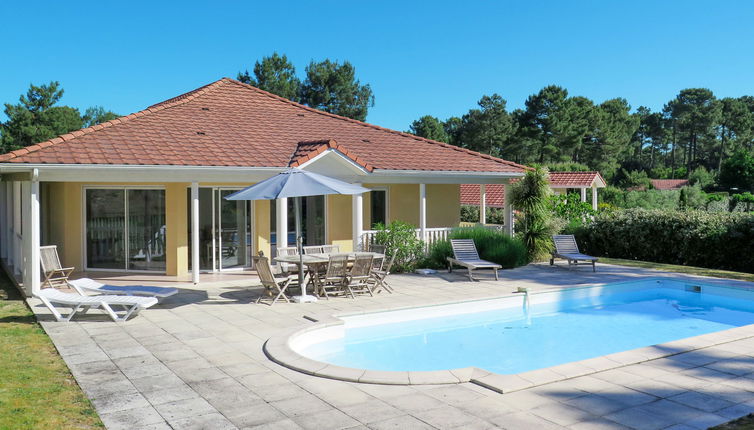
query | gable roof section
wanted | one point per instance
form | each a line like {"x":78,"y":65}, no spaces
{"x":228,"y":123}
{"x":576,"y":179}
{"x":308,"y":151}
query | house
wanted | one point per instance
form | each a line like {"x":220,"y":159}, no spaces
{"x":669,"y":184}
{"x":560,"y":182}
{"x":123,"y":195}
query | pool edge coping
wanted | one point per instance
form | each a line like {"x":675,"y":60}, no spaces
{"x":278,"y":349}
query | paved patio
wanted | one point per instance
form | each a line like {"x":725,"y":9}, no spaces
{"x":196,"y":361}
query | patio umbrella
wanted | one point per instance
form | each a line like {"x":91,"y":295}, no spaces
{"x":297,"y":183}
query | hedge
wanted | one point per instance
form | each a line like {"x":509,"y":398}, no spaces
{"x":693,"y":238}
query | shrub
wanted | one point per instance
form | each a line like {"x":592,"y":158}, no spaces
{"x":744,"y":201}
{"x":470,"y":213}
{"x":702,"y":177}
{"x":738,"y":172}
{"x":493,"y":245}
{"x":716,"y":240}
{"x":570,"y":207}
{"x":401,"y":241}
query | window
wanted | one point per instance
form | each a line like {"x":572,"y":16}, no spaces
{"x":125,"y":229}
{"x":378,"y":207}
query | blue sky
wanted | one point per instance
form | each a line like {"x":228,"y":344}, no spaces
{"x":420,"y":57}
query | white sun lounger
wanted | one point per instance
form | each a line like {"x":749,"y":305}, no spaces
{"x":86,"y":284}
{"x":81,"y":303}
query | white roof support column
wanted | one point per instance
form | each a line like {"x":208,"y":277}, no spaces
{"x":8,"y":226}
{"x":594,"y":198}
{"x":18,"y":262}
{"x":483,"y":204}
{"x":583,"y":195}
{"x":3,"y":221}
{"x":357,"y":222}
{"x":30,"y":210}
{"x":508,"y":209}
{"x":281,"y":222}
{"x":195,"y":232}
{"x":423,"y":212}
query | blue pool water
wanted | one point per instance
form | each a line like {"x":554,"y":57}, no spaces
{"x":559,"y":328}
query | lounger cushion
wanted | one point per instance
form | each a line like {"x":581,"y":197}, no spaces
{"x":92,"y":285}
{"x":74,"y":299}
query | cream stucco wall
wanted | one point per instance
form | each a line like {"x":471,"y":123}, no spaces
{"x":65,"y":220}
{"x":443,"y":205}
{"x":66,"y":227}
{"x":339,"y":226}
{"x":262,"y":227}
{"x":176,"y":232}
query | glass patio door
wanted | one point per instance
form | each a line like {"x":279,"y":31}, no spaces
{"x":225,"y":239}
{"x":125,"y":229}
{"x":233,"y":232}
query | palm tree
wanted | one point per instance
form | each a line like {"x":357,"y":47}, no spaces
{"x":534,"y":225}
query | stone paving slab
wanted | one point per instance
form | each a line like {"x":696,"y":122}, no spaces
{"x":197,"y":361}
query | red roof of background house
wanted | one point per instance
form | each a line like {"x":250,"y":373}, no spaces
{"x":669,"y":184}
{"x":496,"y":197}
{"x":228,"y":123}
{"x":576,"y":179}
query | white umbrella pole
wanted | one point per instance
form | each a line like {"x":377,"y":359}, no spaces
{"x":303,"y":298}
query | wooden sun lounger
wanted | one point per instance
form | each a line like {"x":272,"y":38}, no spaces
{"x":466,"y":255}
{"x":566,"y":248}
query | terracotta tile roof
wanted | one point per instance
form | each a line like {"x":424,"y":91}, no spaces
{"x":228,"y":123}
{"x":669,"y":184}
{"x":575,"y":179}
{"x":496,"y":196}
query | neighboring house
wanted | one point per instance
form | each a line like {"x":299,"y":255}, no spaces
{"x":560,"y":182}
{"x":669,"y":184}
{"x":119,"y":196}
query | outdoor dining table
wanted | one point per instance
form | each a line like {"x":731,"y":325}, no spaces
{"x":314,"y":262}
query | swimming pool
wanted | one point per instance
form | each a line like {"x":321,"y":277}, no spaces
{"x":505,"y":337}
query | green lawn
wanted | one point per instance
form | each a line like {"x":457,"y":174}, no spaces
{"x":701,"y":271}
{"x":743,"y":423}
{"x":37,"y":391}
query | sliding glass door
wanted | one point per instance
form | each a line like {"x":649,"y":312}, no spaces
{"x":225,"y":240}
{"x":125,"y":229}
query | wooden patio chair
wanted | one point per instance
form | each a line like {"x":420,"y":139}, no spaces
{"x":378,"y":277}
{"x":566,"y":248}
{"x":313,"y":250}
{"x":379,"y":249}
{"x":288,"y":267}
{"x":335,"y":275}
{"x":466,"y":255}
{"x":358,"y":278}
{"x":330,"y":249}
{"x":271,"y":284}
{"x":55,"y":274}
